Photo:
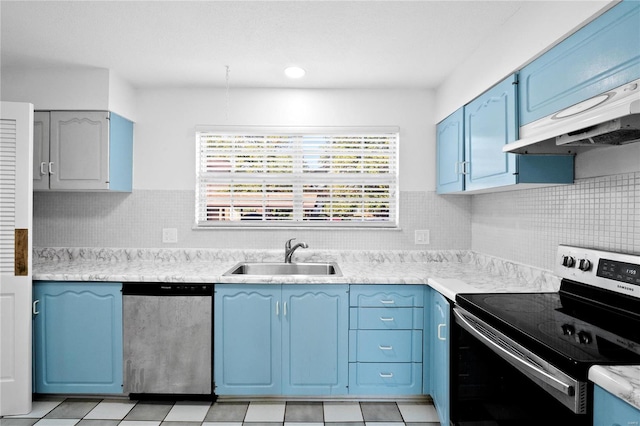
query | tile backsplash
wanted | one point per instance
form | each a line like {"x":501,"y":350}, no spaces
{"x":527,"y":226}
{"x":522,"y":226}
{"x":64,"y":219}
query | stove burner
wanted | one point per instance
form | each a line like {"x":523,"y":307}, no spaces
{"x":514,"y":305}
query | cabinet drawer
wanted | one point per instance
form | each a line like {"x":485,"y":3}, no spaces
{"x":386,"y":296}
{"x":386,"y":318}
{"x":385,"y":346}
{"x":385,"y":378}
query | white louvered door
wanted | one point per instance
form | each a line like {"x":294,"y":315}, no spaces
{"x":16,"y":186}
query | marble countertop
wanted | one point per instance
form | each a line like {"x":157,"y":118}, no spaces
{"x":447,"y":271}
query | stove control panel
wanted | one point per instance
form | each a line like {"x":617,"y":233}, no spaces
{"x":618,"y":272}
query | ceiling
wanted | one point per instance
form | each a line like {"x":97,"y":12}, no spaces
{"x":341,"y":44}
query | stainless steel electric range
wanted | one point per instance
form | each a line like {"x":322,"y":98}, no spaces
{"x":524,"y":358}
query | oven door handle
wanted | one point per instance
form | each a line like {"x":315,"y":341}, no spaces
{"x":516,"y":361}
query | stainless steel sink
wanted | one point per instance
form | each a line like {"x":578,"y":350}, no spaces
{"x":272,"y":269}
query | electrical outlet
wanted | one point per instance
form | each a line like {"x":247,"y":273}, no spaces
{"x":422,"y":236}
{"x":169,"y":235}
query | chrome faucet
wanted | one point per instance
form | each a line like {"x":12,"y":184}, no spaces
{"x":288,"y":250}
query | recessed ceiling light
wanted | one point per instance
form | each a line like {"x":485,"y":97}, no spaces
{"x":294,"y":72}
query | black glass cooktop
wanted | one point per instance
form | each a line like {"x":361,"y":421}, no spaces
{"x":565,"y":331}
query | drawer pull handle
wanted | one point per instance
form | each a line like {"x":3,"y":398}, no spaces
{"x":386,"y":319}
{"x":387,"y":302}
{"x":386,"y":375}
{"x":385,"y":348}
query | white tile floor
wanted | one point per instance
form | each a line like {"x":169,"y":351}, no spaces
{"x":81,"y":412}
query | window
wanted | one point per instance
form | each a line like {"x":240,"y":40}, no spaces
{"x":297,"y":177}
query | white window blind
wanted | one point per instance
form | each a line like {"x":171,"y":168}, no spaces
{"x":297,"y":177}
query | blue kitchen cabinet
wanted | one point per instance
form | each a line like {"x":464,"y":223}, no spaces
{"x":602,"y":55}
{"x":490,"y":122}
{"x":77,"y":337}
{"x":247,"y":339}
{"x":280,"y":339}
{"x":609,"y":410}
{"x":450,"y":153}
{"x":439,"y":348}
{"x":315,"y":339}
{"x":386,"y":339}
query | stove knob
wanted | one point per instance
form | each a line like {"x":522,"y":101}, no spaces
{"x":568,"y":261}
{"x":583,"y":337}
{"x":584,"y":265}
{"x":568,"y":330}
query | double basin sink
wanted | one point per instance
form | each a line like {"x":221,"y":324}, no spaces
{"x":276,"y":268}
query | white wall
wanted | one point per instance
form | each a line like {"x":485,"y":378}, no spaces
{"x":164,"y":148}
{"x":77,"y":88}
{"x":523,"y":37}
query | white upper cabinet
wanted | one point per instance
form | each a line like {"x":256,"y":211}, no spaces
{"x":82,"y":151}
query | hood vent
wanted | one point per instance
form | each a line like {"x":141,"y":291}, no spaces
{"x":612,"y":118}
{"x":615,"y":132}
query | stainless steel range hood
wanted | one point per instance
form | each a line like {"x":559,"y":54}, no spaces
{"x":612,"y":118}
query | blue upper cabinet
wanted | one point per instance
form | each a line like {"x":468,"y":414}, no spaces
{"x":450,"y":153}
{"x":490,"y":122}
{"x":77,"y":337}
{"x":469,"y":148}
{"x":602,"y":55}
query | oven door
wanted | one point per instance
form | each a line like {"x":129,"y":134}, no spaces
{"x":495,"y":378}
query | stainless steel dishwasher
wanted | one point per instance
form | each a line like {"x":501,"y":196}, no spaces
{"x":168,"y":340}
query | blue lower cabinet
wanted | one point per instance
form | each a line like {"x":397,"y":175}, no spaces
{"x":385,"y":378}
{"x":281,"y":339}
{"x":315,"y":340}
{"x":609,"y":410}
{"x":247,"y":340}
{"x":439,"y":337}
{"x":77,"y":337}
{"x":386,"y":340}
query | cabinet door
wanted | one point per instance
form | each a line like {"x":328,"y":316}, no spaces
{"x":600,"y":56}
{"x":315,"y":339}
{"x":247,"y":339}
{"x":78,"y":337}
{"x":440,"y":356}
{"x":450,"y":153}
{"x":79,"y":150}
{"x":608,"y":410}
{"x":490,"y":123}
{"x":40,"y":150}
